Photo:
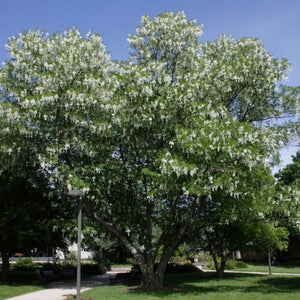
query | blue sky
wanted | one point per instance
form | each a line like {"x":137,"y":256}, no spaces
{"x":276,"y":22}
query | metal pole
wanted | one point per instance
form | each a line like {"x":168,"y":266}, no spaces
{"x":79,"y":247}
{"x":79,"y":194}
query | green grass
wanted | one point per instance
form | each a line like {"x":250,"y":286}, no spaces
{"x":197,"y":286}
{"x":20,"y":283}
{"x":280,"y":268}
{"x":7,"y":291}
{"x":205,"y":286}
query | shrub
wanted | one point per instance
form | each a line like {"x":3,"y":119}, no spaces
{"x":179,"y":256}
{"x":50,"y":266}
{"x":241,"y":264}
{"x":171,"y":268}
{"x":70,"y":260}
{"x":230,"y":265}
{"x":181,"y":268}
{"x":93,"y":268}
{"x":210,"y":265}
{"x":26,"y":264}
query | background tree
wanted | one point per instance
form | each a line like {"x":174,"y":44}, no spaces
{"x":291,"y":173}
{"x":288,"y":183}
{"x":229,"y":224}
{"x":106,"y":247}
{"x":29,"y":218}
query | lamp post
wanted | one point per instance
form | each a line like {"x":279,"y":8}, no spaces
{"x":79,"y":194}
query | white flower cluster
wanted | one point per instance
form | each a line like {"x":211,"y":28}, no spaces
{"x":191,"y":114}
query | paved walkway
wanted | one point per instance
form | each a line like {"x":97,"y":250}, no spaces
{"x":253,"y":273}
{"x":200,"y":267}
{"x":60,"y":290}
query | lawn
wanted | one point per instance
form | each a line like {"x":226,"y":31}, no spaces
{"x":8,"y":291}
{"x":194,"y":286}
{"x":205,"y":286}
{"x":280,"y":268}
{"x":21,"y":283}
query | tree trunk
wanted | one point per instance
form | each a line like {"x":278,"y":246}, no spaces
{"x":222,"y":266}
{"x":152,"y":280}
{"x":5,"y":266}
{"x":270,"y":263}
{"x":219,"y":267}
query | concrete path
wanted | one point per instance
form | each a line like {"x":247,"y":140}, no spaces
{"x":48,"y":294}
{"x":60,"y":290}
{"x":253,"y":273}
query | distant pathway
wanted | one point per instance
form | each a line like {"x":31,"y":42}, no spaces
{"x":249,"y":272}
{"x":262,"y":273}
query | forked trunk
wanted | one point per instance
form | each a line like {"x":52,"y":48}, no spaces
{"x":152,"y":278}
{"x":219,"y":266}
{"x":222,"y":266}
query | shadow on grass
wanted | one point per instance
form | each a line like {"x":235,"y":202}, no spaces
{"x":188,"y":284}
{"x":283,"y":283}
{"x":16,"y":278}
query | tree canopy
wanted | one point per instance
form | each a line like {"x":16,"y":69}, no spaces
{"x":150,"y":140}
{"x":228,"y":224}
{"x":288,"y":186}
{"x":291,"y":173}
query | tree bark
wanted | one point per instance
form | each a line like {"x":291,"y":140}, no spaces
{"x":151,"y":278}
{"x":219,"y":267}
{"x":270,"y":263}
{"x":5,"y":266}
{"x":222,"y":266}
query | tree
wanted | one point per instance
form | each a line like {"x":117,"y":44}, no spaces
{"x":228,"y":224}
{"x":289,"y":194}
{"x":150,"y":139}
{"x":28,"y":219}
{"x":44,"y":87}
{"x":291,"y":173}
{"x":55,"y":93}
{"x":194,"y":127}
{"x":288,"y":183}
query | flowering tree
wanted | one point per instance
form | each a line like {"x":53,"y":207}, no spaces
{"x":55,"y":90}
{"x":52,"y":92}
{"x":150,"y":139}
